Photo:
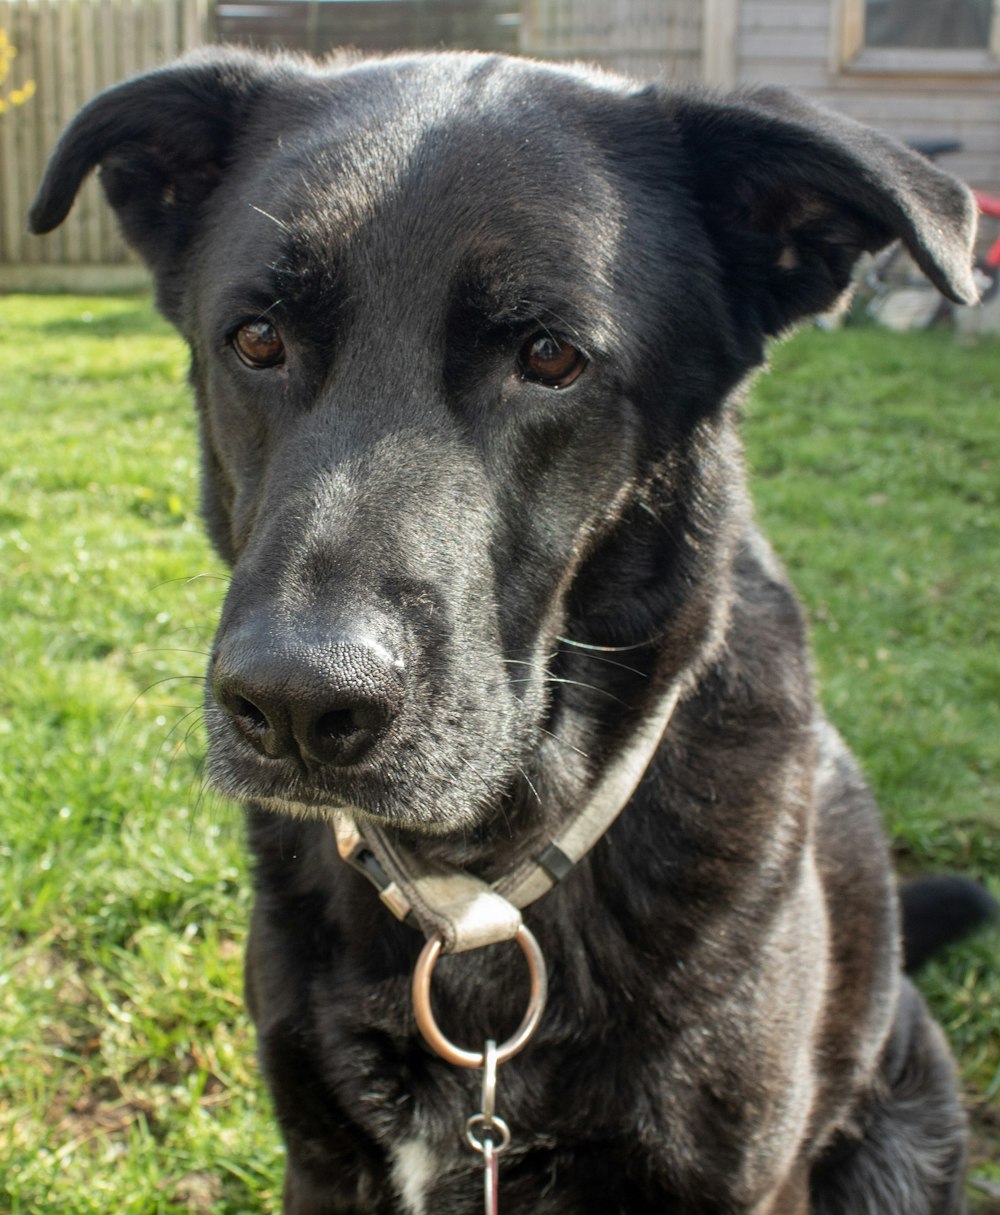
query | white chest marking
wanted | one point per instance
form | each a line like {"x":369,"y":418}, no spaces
{"x":414,"y":1168}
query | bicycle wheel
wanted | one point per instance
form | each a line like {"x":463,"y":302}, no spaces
{"x":987,"y":279}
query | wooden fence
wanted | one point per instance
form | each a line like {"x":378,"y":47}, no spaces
{"x":642,"y":38}
{"x":70,"y":50}
{"x":385,"y":26}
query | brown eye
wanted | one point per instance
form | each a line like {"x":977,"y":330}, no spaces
{"x":259,"y":344}
{"x":551,"y":361}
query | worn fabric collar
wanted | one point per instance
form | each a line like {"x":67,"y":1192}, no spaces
{"x":468,"y":912}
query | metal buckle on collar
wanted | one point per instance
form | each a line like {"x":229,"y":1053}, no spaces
{"x":355,"y":850}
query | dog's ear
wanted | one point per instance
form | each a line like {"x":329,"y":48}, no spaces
{"x":162,"y":141}
{"x":792,"y":196}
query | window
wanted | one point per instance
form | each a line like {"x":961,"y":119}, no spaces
{"x":936,"y":36}
{"x":928,"y":23}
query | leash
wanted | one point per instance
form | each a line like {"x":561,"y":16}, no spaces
{"x":457,"y":911}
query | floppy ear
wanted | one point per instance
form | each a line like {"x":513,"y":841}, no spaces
{"x":792,"y":196}
{"x":162,"y":141}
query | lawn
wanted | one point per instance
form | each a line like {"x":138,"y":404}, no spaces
{"x":127,"y":1078}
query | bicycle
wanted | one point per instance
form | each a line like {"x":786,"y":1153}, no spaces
{"x":890,"y":280}
{"x":987,"y":267}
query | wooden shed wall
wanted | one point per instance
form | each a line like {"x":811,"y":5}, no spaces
{"x":795,"y":43}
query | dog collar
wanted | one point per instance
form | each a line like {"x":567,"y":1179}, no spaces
{"x":462,"y":909}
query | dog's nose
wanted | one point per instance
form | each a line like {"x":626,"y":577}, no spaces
{"x":315,"y":703}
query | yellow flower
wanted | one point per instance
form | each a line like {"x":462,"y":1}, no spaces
{"x":8,"y":52}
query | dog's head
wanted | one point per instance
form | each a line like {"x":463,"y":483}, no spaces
{"x":465,"y":336}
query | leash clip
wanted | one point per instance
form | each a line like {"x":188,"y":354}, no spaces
{"x":485,"y":1132}
{"x":495,"y":1132}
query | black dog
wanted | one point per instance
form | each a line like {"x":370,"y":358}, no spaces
{"x":468,"y":338}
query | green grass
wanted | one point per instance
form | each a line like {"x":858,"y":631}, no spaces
{"x":127,"y":1079}
{"x":126,"y":1059}
{"x":876,"y":469}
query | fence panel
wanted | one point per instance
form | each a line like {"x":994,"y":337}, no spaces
{"x":647,"y":39}
{"x":389,"y":25}
{"x":54,"y":56}
{"x":68,"y":50}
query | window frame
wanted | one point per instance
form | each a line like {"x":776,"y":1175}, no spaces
{"x":853,"y":57}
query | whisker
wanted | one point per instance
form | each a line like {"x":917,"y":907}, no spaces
{"x":607,"y":649}
{"x":576,"y":683}
{"x":210,"y":577}
{"x":168,"y":649}
{"x":145,"y":692}
{"x":180,"y":721}
{"x":611,"y":663}
{"x":527,"y":781}
{"x":202,"y":797}
{"x":563,"y":743}
{"x":187,"y":579}
{"x":267,"y":215}
{"x":478,"y":776}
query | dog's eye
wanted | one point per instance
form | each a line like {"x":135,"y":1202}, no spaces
{"x":550,"y":361}
{"x":259,"y":344}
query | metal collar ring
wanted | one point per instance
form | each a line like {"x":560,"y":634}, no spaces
{"x":424,"y":1014}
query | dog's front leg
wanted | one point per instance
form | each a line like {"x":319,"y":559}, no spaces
{"x":302,"y":1197}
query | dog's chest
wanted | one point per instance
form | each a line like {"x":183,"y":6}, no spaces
{"x":415,"y":1166}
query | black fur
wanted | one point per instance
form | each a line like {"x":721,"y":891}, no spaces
{"x":938,"y":909}
{"x":457,"y":588}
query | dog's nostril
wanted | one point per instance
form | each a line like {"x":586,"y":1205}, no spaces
{"x":338,"y":724}
{"x":250,"y":714}
{"x":342,"y":735}
{"x":315,"y":704}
